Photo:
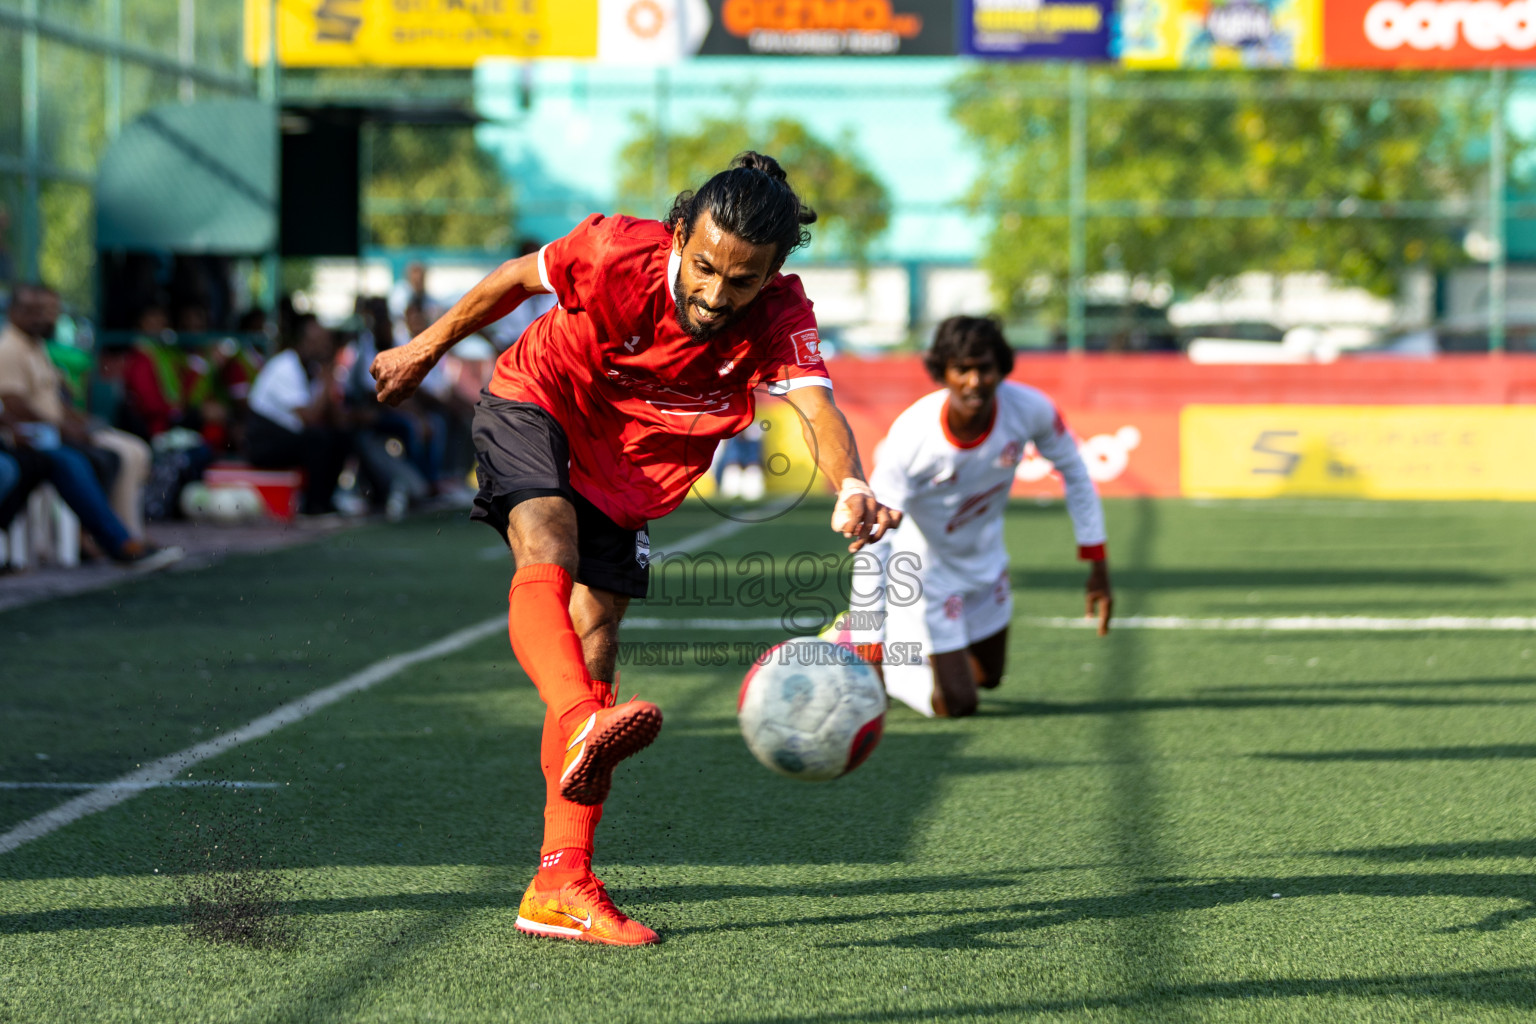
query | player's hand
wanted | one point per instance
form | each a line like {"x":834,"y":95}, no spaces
{"x":399,"y":372}
{"x":860,"y":517}
{"x":1101,"y":601}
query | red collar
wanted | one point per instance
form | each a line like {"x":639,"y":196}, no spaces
{"x":952,"y":439}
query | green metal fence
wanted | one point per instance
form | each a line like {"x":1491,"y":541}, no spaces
{"x":73,"y":72}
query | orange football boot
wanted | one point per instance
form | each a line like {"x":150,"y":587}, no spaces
{"x":600,"y":743}
{"x":580,"y":910}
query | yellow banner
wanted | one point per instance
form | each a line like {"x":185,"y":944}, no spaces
{"x":1208,"y":34}
{"x":1449,"y":452}
{"x":419,"y":33}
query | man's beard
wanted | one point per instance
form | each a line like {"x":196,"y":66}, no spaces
{"x":695,"y":330}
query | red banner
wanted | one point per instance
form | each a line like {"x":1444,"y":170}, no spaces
{"x":1124,"y":410}
{"x":1428,"y":33}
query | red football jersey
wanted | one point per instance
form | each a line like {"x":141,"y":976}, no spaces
{"x":642,"y":403}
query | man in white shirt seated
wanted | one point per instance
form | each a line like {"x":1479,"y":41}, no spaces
{"x":297,"y":419}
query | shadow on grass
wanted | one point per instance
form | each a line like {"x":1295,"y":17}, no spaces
{"x":977,"y":928}
{"x":1420,"y":684}
{"x":1048,"y":708}
{"x":1504,"y":987}
{"x":1494,"y":752}
{"x":694,"y":797}
{"x":988,"y":928}
{"x":634,"y":895}
{"x":1487,"y":849}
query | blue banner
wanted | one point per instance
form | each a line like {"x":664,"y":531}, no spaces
{"x":1036,"y":29}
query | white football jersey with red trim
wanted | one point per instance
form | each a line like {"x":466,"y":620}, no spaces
{"x":953,"y":494}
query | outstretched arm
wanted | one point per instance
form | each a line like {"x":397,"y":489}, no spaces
{"x":1087,"y":520}
{"x":858,"y":516}
{"x":400,"y":370}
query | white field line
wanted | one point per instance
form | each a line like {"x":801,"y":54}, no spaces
{"x":166,"y":769}
{"x":1306,"y":623}
{"x":1289,"y":623}
{"x":174,"y":783}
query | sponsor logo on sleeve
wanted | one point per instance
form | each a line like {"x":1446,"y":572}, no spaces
{"x":807,"y":347}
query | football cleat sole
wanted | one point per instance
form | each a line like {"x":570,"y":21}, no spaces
{"x":613,"y":735}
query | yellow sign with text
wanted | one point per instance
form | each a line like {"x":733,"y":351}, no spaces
{"x":419,"y":33}
{"x":1433,"y":452}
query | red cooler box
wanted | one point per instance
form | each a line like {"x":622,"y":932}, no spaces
{"x":279,"y":488}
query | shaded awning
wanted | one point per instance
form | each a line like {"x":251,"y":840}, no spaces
{"x":199,"y":178}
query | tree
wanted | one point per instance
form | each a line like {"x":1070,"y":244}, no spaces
{"x":432,"y":185}
{"x":1340,"y":144}
{"x":851,"y":203}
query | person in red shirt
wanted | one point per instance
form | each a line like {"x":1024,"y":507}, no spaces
{"x":599,"y":420}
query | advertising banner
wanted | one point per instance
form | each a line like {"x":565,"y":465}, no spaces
{"x":1428,"y":34}
{"x":650,"y":32}
{"x":420,"y":33}
{"x":1036,"y":29}
{"x":1134,"y":453}
{"x":1217,"y":34}
{"x":1450,"y":452}
{"x":831,"y":28}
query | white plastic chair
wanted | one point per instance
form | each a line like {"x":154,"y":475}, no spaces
{"x":44,"y":531}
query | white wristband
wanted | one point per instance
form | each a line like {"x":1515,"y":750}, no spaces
{"x":843,"y":519}
{"x":853,"y":485}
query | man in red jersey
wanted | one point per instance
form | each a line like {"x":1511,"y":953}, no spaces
{"x":599,"y":420}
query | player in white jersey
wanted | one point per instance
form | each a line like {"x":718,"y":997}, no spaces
{"x":948,"y":464}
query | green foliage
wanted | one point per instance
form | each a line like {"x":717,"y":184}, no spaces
{"x":73,"y":118}
{"x":432,"y":185}
{"x":852,"y":204}
{"x":1257,"y":141}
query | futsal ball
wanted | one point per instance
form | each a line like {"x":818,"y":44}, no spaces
{"x":226,"y":506}
{"x":811,"y":709}
{"x":235,"y":504}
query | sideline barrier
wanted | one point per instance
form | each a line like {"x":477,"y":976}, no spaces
{"x":1435,"y":452}
{"x":1453,"y":428}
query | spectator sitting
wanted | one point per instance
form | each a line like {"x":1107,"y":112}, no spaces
{"x":20,"y":471}
{"x":296,"y":415}
{"x":156,"y":378}
{"x":38,"y":455}
{"x":398,"y":483}
{"x":451,"y":414}
{"x":506,"y":331}
{"x":411,"y":290}
{"x":33,"y":391}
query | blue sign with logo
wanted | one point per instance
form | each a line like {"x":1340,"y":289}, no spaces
{"x":1036,"y":29}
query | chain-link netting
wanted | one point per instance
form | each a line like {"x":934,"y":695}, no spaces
{"x":1090,"y":205}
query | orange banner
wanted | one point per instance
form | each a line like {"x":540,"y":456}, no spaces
{"x":1428,"y":34}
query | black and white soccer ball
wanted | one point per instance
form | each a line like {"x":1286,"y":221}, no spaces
{"x":811,"y":709}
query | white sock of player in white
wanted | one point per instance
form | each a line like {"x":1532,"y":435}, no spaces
{"x":912,"y":685}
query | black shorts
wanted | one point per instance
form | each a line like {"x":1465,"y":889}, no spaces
{"x":522,"y":453}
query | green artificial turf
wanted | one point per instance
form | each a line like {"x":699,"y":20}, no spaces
{"x":1157,"y":825}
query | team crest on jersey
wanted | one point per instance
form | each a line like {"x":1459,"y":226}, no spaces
{"x":954,"y":606}
{"x":1012,"y":452}
{"x":807,"y":347}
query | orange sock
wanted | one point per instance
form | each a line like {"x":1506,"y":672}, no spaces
{"x":561,"y":866}
{"x":567,"y":826}
{"x":546,"y":645}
